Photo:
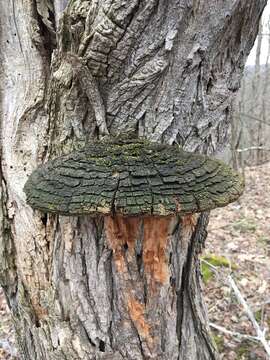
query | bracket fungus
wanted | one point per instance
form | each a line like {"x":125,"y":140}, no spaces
{"x":131,"y":182}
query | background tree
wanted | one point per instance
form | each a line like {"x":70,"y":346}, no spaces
{"x":250,"y":118}
{"x":163,"y":70}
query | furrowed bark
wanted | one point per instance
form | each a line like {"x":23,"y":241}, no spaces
{"x":159,"y":69}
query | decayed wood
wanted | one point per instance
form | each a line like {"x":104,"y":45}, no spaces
{"x":164,"y":70}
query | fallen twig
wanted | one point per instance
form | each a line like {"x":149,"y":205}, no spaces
{"x":253,"y":148}
{"x":260,"y":333}
{"x":233,"y":333}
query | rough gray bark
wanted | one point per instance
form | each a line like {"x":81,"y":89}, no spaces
{"x":166,"y":70}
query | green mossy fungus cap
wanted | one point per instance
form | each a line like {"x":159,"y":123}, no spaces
{"x":132,"y":177}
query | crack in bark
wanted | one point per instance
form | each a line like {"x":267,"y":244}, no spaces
{"x":186,"y":282}
{"x":113,"y":211}
{"x":16,"y":26}
{"x":187,"y":289}
{"x":86,"y":334}
{"x":91,"y":89}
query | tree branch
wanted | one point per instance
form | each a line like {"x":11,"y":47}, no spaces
{"x":233,"y":333}
{"x":260,"y":333}
{"x":253,"y":148}
{"x":252,"y":117}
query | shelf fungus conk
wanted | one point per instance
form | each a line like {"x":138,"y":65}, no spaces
{"x":133,"y":183}
{"x":132,"y":178}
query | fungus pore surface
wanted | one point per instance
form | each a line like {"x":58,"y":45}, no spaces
{"x":132,"y":177}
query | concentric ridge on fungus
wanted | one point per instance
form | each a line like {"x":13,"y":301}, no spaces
{"x":132,"y":177}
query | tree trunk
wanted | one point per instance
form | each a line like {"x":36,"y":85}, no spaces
{"x":165,"y":70}
{"x":264,"y":156}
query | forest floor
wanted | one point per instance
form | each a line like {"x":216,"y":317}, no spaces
{"x":238,"y":245}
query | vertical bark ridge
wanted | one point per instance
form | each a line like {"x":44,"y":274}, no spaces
{"x":190,"y":302}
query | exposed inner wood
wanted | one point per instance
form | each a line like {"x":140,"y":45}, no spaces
{"x":137,"y":315}
{"x":155,"y":242}
{"x":123,"y":231}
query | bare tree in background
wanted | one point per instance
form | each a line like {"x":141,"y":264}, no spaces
{"x":263,"y":135}
{"x":256,"y":83}
{"x":166,"y":70}
{"x":250,"y":121}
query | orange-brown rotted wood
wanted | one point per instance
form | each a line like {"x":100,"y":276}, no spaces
{"x":137,"y":315}
{"x":121,"y":231}
{"x":156,"y":236}
{"x":189,"y":221}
